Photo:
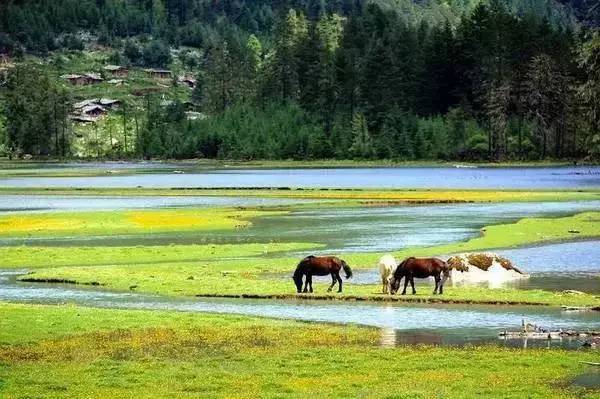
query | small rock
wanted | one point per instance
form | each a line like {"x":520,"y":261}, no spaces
{"x":190,"y":278}
{"x":574,"y":231}
{"x":132,"y":287}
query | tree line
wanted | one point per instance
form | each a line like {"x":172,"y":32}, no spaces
{"x":352,"y":80}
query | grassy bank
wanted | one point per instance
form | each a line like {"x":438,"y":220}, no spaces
{"x":214,"y":270}
{"x":76,"y":352}
{"x":352,"y":196}
{"x":125,"y":222}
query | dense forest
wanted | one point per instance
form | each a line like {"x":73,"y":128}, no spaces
{"x":314,"y":79}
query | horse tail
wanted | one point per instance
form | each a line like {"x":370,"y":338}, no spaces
{"x":347,"y":270}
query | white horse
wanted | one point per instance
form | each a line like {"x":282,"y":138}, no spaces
{"x":387,"y":266}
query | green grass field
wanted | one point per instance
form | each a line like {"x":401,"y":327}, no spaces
{"x":258,"y":269}
{"x":78,"y":352}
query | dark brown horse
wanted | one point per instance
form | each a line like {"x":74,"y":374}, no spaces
{"x":320,"y":266}
{"x":420,"y":268}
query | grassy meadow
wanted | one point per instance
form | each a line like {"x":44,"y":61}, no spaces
{"x":248,"y":269}
{"x":78,"y":352}
{"x":68,"y":351}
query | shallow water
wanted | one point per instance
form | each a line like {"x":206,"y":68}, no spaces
{"x":351,"y":229}
{"x":399,"y":323}
{"x":48,"y":203}
{"x":429,"y":177}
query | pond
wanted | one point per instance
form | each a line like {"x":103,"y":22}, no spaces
{"x":576,"y":177}
{"x":399,"y":323}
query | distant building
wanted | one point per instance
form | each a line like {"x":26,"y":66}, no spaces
{"x":80,"y":80}
{"x":94,"y":111}
{"x":116,"y":82}
{"x":158,"y":73}
{"x":193,"y":115}
{"x":189,"y":81}
{"x":109,"y":103}
{"x":93,"y":78}
{"x":83,"y":118}
{"x":76,"y":80}
{"x":117,"y":70}
{"x":79,"y":105}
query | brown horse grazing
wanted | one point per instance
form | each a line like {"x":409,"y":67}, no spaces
{"x":420,"y":268}
{"x":320,"y":266}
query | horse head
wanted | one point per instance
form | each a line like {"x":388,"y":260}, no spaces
{"x":297,"y":277}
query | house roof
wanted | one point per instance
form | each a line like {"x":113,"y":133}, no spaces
{"x":108,"y":101}
{"x":85,"y":103}
{"x":90,"y":108}
{"x":114,"y":67}
{"x":153,"y":70}
{"x":93,"y":76}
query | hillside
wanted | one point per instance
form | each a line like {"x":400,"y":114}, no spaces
{"x":303,"y":79}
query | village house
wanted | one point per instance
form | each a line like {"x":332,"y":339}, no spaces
{"x":189,"y":81}
{"x":193,"y":115}
{"x":117,"y":70}
{"x":116,"y":82}
{"x":158,"y":73}
{"x":93,"y":110}
{"x":109,"y":103}
{"x":82,"y":119}
{"x":78,"y":106}
{"x":80,"y":80}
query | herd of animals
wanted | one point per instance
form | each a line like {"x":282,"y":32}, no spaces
{"x":391,"y":272}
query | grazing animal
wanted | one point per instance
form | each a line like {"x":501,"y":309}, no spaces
{"x":387,"y":267}
{"x":320,"y":266}
{"x":420,"y":268}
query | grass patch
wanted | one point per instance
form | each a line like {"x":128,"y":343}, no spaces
{"x":212,"y":269}
{"x":76,"y":352}
{"x":53,"y":257}
{"x":126,"y":222}
{"x":360,"y":196}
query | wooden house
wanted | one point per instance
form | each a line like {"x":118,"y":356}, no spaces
{"x":117,"y":70}
{"x":158,"y":73}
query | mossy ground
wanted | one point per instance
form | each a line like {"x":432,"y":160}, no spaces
{"x":78,"y":352}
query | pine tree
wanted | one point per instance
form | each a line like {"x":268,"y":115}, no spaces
{"x":362,"y":144}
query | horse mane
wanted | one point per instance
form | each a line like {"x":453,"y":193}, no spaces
{"x":405,"y":261}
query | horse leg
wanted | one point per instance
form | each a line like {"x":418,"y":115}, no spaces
{"x":437,"y":284}
{"x":306,"y":284}
{"x":444,"y":278}
{"x":412,"y":284}
{"x":384,"y":283}
{"x":310,"y":282}
{"x":339,"y":279}
{"x":333,"y":280}
{"x":406,"y":279}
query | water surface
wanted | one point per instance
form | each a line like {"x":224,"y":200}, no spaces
{"x":427,"y":177}
{"x":399,"y":323}
{"x":344,"y":230}
{"x":47,"y":203}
